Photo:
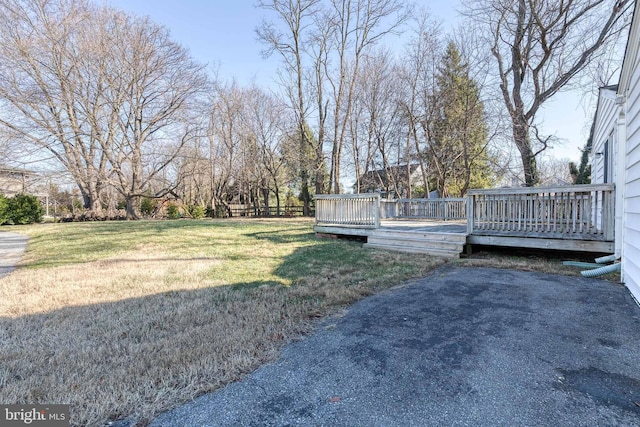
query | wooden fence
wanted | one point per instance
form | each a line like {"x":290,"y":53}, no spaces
{"x":261,"y":211}
{"x":584,"y":212}
{"x":352,"y":210}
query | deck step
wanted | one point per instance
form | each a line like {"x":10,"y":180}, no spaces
{"x":415,"y":249}
{"x":417,"y":241}
{"x":407,"y":234}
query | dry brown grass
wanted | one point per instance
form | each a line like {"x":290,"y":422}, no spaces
{"x":531,"y":260}
{"x":129,"y":319}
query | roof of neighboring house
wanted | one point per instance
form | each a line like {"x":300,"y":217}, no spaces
{"x":397,"y":172}
{"x":14,"y":180}
{"x":555,"y":182}
{"x":15,"y":170}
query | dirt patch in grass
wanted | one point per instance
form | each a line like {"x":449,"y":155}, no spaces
{"x":124,"y":320}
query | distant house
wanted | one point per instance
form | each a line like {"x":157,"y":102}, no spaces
{"x":14,"y":181}
{"x":392,"y":181}
{"x":615,"y":155}
{"x":554,"y":181}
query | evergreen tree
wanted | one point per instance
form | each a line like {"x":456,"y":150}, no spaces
{"x":458,"y":144}
{"x":582,"y":174}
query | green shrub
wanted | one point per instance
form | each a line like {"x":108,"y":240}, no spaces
{"x":76,"y":206}
{"x":219,"y":212}
{"x":173,"y":212}
{"x":24,"y":209}
{"x":147,"y":206}
{"x":4,"y":209}
{"x":197,"y":211}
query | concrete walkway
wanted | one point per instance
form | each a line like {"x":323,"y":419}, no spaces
{"x":461,"y":347}
{"x":12,"y":246}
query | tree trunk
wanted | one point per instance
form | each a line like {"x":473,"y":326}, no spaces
{"x":320,"y":170}
{"x":91,"y":201}
{"x":523,"y":142}
{"x":277,"y":191}
{"x":305,"y":196}
{"x":265,"y":196}
{"x":132,"y":212}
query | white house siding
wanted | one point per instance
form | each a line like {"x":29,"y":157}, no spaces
{"x":604,"y":130}
{"x":630,"y":89}
{"x":631,"y":249}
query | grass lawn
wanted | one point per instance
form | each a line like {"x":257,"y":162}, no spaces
{"x":126,"y":319}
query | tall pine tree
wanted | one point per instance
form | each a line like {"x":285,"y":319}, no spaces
{"x":458,"y":145}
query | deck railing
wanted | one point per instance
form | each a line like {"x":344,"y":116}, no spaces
{"x":358,"y":209}
{"x":583,"y":212}
{"x":438,"y":209}
{"x":352,"y":210}
{"x":579,"y":212}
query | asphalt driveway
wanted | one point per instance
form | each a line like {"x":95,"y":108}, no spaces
{"x":461,"y":347}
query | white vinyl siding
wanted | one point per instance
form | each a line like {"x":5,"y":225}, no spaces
{"x":604,"y":139}
{"x":631,"y":249}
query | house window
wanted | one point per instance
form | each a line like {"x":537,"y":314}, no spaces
{"x":608,"y":160}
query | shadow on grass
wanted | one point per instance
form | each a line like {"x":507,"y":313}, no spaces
{"x":285,"y":235}
{"x":136,"y":357}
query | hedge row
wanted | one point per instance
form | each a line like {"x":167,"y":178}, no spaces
{"x":20,"y":209}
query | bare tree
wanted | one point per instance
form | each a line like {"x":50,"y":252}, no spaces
{"x":321,"y":44}
{"x":539,"y":46}
{"x":358,"y":25}
{"x":319,"y":52}
{"x":268,"y":121}
{"x":41,"y":87}
{"x":297,"y":17}
{"x":417,"y":72}
{"x":225,"y":139}
{"x":152,"y":104}
{"x":378,"y":90}
{"x":554,"y":172}
{"x":108,"y":95}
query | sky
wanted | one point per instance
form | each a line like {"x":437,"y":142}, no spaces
{"x":221,"y":33}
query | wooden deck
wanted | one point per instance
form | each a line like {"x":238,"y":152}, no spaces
{"x":573,"y":218}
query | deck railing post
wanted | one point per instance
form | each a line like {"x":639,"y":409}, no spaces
{"x":608,"y":214}
{"x":470,"y":213}
{"x":377,"y":210}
